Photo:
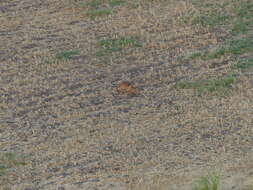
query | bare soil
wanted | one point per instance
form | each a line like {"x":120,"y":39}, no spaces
{"x":77,"y":132}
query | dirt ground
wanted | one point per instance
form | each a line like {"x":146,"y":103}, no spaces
{"x":74,"y":131}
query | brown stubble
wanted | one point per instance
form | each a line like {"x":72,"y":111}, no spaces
{"x":66,"y":116}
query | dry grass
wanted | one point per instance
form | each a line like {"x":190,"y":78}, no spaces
{"x":61,"y":61}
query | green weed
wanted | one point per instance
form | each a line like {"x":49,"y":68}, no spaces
{"x":66,"y":55}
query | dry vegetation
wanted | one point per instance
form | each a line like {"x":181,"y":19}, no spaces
{"x":62,"y":124}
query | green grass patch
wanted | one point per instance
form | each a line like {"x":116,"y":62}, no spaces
{"x":216,"y":53}
{"x":114,"y":3}
{"x":240,"y":46}
{"x":239,"y":19}
{"x":231,"y":47}
{"x":10,"y":160}
{"x":3,"y":169}
{"x":244,"y":9}
{"x":98,"y":13}
{"x":243,"y":19}
{"x":211,"y":19}
{"x":95,"y":4}
{"x":108,"y":46}
{"x":66,"y":55}
{"x":248,"y":187}
{"x":49,"y":60}
{"x":206,"y":14}
{"x":195,"y":55}
{"x":244,"y":65}
{"x":241,"y":26}
{"x":234,"y":47}
{"x":218,"y":87}
{"x":205,"y":19}
{"x":209,"y":182}
{"x":98,"y":8}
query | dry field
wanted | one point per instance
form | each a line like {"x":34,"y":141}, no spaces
{"x":63,"y":126}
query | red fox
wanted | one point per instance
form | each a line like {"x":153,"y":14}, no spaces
{"x":125,"y":87}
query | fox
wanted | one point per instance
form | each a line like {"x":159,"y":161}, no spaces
{"x":125,"y":87}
